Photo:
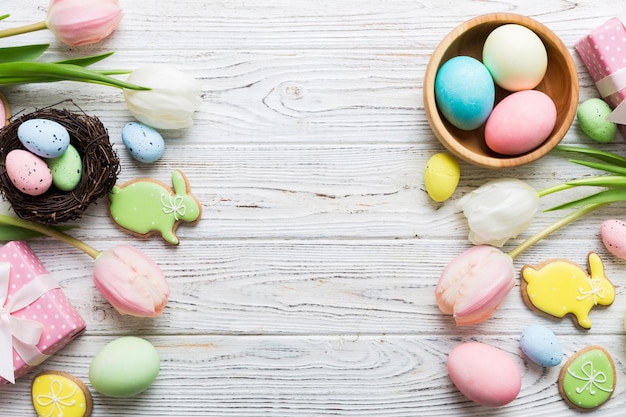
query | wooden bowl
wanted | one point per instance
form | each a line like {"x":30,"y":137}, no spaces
{"x":560,"y":83}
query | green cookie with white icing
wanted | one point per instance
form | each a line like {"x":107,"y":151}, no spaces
{"x":588,"y":378}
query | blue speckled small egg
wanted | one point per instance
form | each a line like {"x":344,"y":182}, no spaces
{"x":45,"y":138}
{"x":143,"y":142}
{"x":465,"y":92}
{"x":66,"y":170}
{"x":541,"y":346}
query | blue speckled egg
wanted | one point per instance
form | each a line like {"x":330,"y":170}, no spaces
{"x":465,"y":92}
{"x":143,"y":142}
{"x":45,"y":138}
{"x":541,"y":346}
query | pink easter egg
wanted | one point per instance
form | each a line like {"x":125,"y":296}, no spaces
{"x":520,"y":122}
{"x":613,"y":234}
{"x":29,"y":173}
{"x":484,"y":374}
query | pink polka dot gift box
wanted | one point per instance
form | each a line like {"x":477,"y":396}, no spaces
{"x":36,"y":319}
{"x":603,"y":52}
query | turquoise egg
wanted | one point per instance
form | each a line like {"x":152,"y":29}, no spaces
{"x":541,"y":346}
{"x":143,"y":142}
{"x":66,"y":170}
{"x":43,"y":137}
{"x":465,"y":92}
{"x":124,"y":367}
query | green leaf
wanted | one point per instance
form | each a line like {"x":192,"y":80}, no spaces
{"x":86,"y":61}
{"x":603,"y":197}
{"x":22,"y":53}
{"x":4,"y":16}
{"x":600,"y":181}
{"x":595,"y":153}
{"x":27,"y":72}
{"x":8,"y":233}
{"x":603,"y":167}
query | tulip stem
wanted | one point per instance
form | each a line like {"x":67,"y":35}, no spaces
{"x":554,"y":189}
{"x":44,"y":230}
{"x":575,"y":215}
{"x":33,"y":27}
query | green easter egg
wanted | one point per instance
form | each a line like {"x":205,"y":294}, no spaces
{"x":588,"y":378}
{"x":124,"y":367}
{"x":66,"y":169}
{"x":593,"y":116}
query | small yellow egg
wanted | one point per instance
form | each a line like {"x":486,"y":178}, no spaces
{"x":441,"y":176}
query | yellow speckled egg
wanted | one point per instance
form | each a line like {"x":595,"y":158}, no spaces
{"x":441,"y":176}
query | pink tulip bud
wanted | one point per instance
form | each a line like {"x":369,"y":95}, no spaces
{"x":475,"y":283}
{"x":132,"y":282}
{"x":80,"y":22}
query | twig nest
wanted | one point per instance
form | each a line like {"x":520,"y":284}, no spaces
{"x":100,"y":167}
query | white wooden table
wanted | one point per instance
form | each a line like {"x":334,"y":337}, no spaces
{"x":307,"y":287}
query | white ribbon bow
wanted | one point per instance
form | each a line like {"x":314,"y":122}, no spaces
{"x":609,"y":85}
{"x":19,"y":333}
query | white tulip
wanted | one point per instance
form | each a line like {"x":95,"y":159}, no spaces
{"x":499,"y":210}
{"x":171,"y":101}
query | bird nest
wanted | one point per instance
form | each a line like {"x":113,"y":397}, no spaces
{"x":99,"y":172}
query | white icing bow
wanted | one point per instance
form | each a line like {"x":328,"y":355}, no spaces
{"x":597,"y":290}
{"x":591,"y":378}
{"x":19,"y":333}
{"x":55,"y":399}
{"x":174,"y":206}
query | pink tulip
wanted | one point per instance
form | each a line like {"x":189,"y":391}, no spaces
{"x":81,"y":22}
{"x":474,"y":284}
{"x":132,"y":282}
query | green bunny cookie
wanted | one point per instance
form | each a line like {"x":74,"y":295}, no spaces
{"x":145,"y":206}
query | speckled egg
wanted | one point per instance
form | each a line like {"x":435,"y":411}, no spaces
{"x":45,"y":138}
{"x":143,"y":142}
{"x":29,"y":173}
{"x":613,"y":234}
{"x":592,"y":117}
{"x":124,"y":367}
{"x":541,"y":346}
{"x":464,"y":92}
{"x":66,"y":170}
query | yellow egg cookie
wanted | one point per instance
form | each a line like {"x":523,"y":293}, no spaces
{"x":559,"y":287}
{"x":56,"y":393}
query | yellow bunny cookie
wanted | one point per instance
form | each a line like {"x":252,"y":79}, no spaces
{"x":559,"y":287}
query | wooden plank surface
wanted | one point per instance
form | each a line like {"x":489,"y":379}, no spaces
{"x":307,"y":289}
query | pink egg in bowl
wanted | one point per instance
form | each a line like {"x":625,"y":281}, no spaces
{"x":520,"y":122}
